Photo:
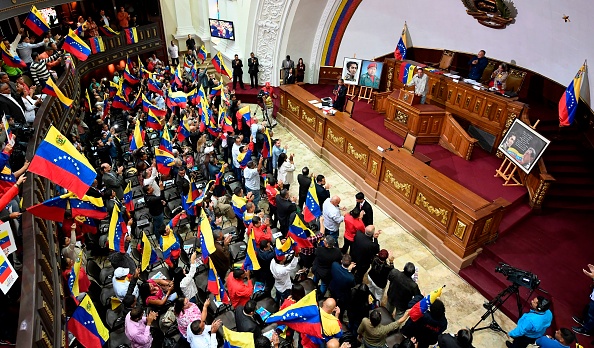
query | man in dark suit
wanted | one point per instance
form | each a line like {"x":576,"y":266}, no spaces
{"x":237,"y":66}
{"x":245,"y":320}
{"x":10,"y":105}
{"x":363,"y":205}
{"x":253,"y":69}
{"x":326,"y":255}
{"x":112,"y":180}
{"x":322,"y":189}
{"x":284,"y":207}
{"x":342,"y":282}
{"x":402,"y":289}
{"x":304,"y":180}
{"x":363,"y":250}
{"x":339,"y":92}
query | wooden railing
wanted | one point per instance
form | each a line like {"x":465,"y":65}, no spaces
{"x":42,"y":317}
{"x":454,"y":138}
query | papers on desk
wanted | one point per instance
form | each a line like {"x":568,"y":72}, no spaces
{"x":318,"y":105}
{"x":313,"y":101}
{"x":451,"y":76}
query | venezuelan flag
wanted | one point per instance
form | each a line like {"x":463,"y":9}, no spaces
{"x":86,"y":325}
{"x":120,"y":102}
{"x":106,"y":107}
{"x":404,"y":72}
{"x":153,"y":121}
{"x":183,"y":131}
{"x":238,"y":339}
{"x":147,"y":105}
{"x":131,"y":79}
{"x":154,"y":86}
{"x":5,"y":239}
{"x":411,"y":73}
{"x":188,"y":200}
{"x":176,"y":77}
{"x":59,"y":161}
{"x":88,"y":99}
{"x":36,"y":22}
{"x":147,"y":251}
{"x":76,"y":46}
{"x":422,"y":306}
{"x":193,"y":72}
{"x":217,"y":90}
{"x":267,"y":145}
{"x":113,"y":88}
{"x":170,"y":246}
{"x":251,"y":261}
{"x":299,"y":233}
{"x":131,"y":36}
{"x":116,"y":236}
{"x":137,"y":139}
{"x":238,"y":205}
{"x":128,"y":197}
{"x":88,"y":206}
{"x":215,"y":284}
{"x":107,"y":31}
{"x":193,"y":96}
{"x":227,"y":122}
{"x":53,"y":90}
{"x":80,"y":29}
{"x":96,"y":44}
{"x":244,"y":157}
{"x":283,"y":249}
{"x":165,"y":144}
{"x":219,"y":65}
{"x":165,"y":161}
{"x":177,"y":98}
{"x":9,"y":59}
{"x":52,"y":209}
{"x":302,"y":316}
{"x":245,"y":113}
{"x":401,"y":47}
{"x":311,"y":209}
{"x":6,"y":270}
{"x":202,"y":53}
{"x":569,"y":100}
{"x":73,"y":277}
{"x":206,"y":238}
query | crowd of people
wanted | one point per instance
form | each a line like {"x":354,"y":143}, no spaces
{"x":241,"y":179}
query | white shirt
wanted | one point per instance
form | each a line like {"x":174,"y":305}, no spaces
{"x":332,"y":216}
{"x":204,"y":340}
{"x":173,"y":51}
{"x":120,"y":288}
{"x":285,"y":172}
{"x":29,"y":108}
{"x":235,"y":153}
{"x":252,"y":178}
{"x":105,"y":20}
{"x":151,"y":181}
{"x":282,"y":274}
{"x":420,"y":84}
{"x":187,"y":284}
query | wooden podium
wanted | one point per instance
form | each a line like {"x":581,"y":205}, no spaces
{"x":404,"y":115}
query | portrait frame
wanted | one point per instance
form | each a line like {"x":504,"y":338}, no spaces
{"x":345,"y":71}
{"x":364,"y":81}
{"x":527,"y":142}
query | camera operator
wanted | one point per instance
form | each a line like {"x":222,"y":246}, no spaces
{"x":532,"y":325}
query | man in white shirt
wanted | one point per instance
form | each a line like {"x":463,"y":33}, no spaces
{"x":201,"y":335}
{"x":251,"y":173}
{"x":420,"y":82}
{"x":149,"y":178}
{"x":234,"y":153}
{"x":174,"y":53}
{"x":282,"y":273}
{"x":332,"y":216}
{"x":121,"y":283}
{"x":103,"y":19}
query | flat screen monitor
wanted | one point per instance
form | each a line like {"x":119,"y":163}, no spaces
{"x":222,"y":29}
{"x":523,"y":145}
{"x":50,"y":15}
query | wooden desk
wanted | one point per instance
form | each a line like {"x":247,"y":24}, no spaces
{"x":488,"y":111}
{"x":453,"y":221}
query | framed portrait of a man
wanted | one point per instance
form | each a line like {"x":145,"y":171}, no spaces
{"x":351,"y":69}
{"x":371,"y":73}
{"x":523,"y":145}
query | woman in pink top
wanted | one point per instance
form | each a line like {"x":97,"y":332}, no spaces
{"x":352,"y":223}
{"x":186,"y":313}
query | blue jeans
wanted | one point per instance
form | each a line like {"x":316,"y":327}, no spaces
{"x":323,"y":286}
{"x":423,"y":99}
{"x":256,"y":194}
{"x":157,"y":223}
{"x":334,"y":234}
{"x":589,"y":321}
{"x":281,"y":296}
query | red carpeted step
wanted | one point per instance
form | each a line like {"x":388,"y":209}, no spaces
{"x":577,"y":181}
{"x":564,"y":191}
{"x":569,"y":203}
{"x":514,"y":215}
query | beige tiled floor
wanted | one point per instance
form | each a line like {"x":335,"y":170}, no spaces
{"x":463,"y":303}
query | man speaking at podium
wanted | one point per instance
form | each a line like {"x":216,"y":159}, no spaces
{"x":420,"y":83}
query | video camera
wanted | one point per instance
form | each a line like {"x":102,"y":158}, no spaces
{"x":261,"y":96}
{"x":518,"y":276}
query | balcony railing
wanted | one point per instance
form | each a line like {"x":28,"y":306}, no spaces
{"x":42,"y":317}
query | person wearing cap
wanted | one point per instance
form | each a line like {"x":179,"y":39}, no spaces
{"x":381,"y":266}
{"x":369,"y":78}
{"x":420,"y":82}
{"x":532,"y":325}
{"x":121,"y":282}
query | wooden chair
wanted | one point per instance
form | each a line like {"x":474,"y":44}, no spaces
{"x":487,"y":72}
{"x":349,"y":106}
{"x":515,"y":80}
{"x":410,"y":141}
{"x":445,"y":62}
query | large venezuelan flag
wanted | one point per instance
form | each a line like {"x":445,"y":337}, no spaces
{"x":299,"y":233}
{"x":128,"y":197}
{"x":219,"y":65}
{"x":96,"y":44}
{"x":131,"y":36}
{"x":206,"y":238}
{"x":311,"y":209}
{"x":52,"y":209}
{"x":202,"y":53}
{"x":9,"y":59}
{"x":237,"y":339}
{"x":59,"y":161}
{"x":76,"y":46}
{"x":137,"y":140}
{"x":251,"y":261}
{"x":116,"y":236}
{"x":400,"y":51}
{"x":569,"y":100}
{"x":53,"y":90}
{"x":303,"y":316}
{"x":36,"y":22}
{"x":86,"y":325}
{"x":88,"y":206}
{"x":165,"y":161}
{"x":153,"y":121}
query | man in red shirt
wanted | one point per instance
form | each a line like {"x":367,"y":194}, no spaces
{"x":239,"y":291}
{"x":261,"y":229}
{"x":271,"y":192}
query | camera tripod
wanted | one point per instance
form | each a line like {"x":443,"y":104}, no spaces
{"x":494,"y":305}
{"x":269,"y":123}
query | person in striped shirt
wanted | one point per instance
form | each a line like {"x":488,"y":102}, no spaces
{"x":39,"y":70}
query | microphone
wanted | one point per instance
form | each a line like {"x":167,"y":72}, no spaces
{"x":390,"y":148}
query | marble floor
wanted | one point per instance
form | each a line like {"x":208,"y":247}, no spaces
{"x":464,"y":304}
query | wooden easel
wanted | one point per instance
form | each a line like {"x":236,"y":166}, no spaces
{"x":351,"y":90}
{"x":508,"y":169}
{"x":365,"y":93}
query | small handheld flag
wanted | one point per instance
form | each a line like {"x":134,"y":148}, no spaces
{"x":52,"y":89}
{"x":76,"y":46}
{"x":86,"y":325}
{"x":36,"y":22}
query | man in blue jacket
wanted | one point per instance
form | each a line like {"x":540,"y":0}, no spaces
{"x":477,"y":64}
{"x":532,"y":325}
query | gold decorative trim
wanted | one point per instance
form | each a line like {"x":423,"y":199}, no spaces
{"x":401,"y":117}
{"x":458,"y":98}
{"x":404,"y":188}
{"x":488,"y":109}
{"x":361,"y":157}
{"x":373,"y":168}
{"x":282,"y":99}
{"x":460,"y":230}
{"x":467,"y":102}
{"x":310,"y":120}
{"x":449,"y":94}
{"x":320,"y":128}
{"x":487,"y":226}
{"x":338,"y":141}
{"x":390,"y":75}
{"x":295,"y":109}
{"x":477,"y":105}
{"x":421,"y":201}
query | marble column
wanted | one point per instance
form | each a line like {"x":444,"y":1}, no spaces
{"x":183,"y":13}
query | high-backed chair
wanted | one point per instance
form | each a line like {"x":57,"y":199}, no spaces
{"x":445,"y":62}
{"x":349,"y":106}
{"x":410,"y":141}
{"x":487,"y":72}
{"x":515,"y":80}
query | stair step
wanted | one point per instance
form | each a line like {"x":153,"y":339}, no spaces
{"x":564,"y":191}
{"x":563,"y":157}
{"x":571,"y":181}
{"x":568,"y":169}
{"x":568,"y":203}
